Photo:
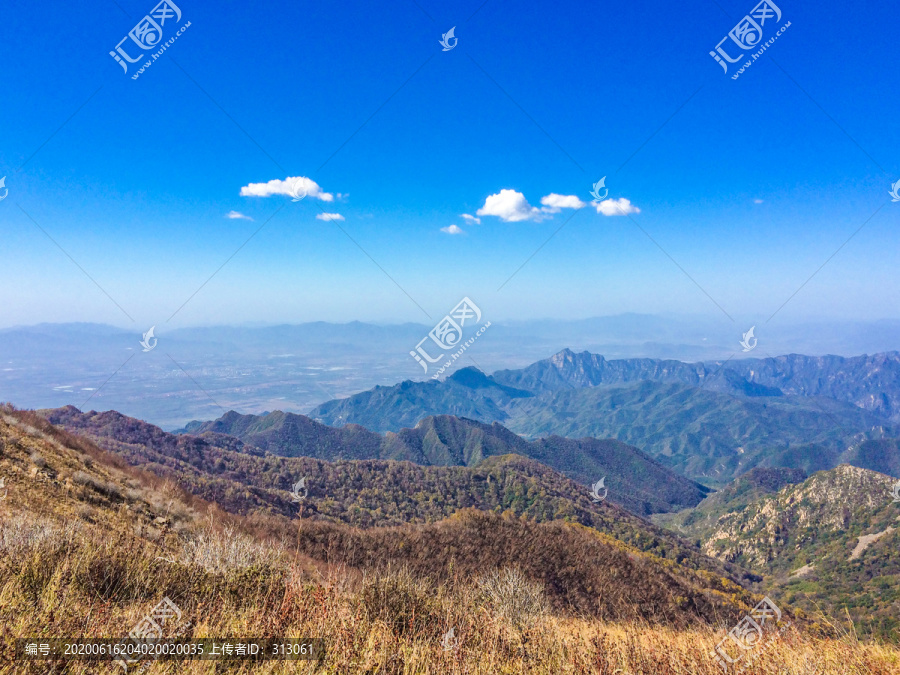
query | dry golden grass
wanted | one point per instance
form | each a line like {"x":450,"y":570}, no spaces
{"x":87,"y":548}
{"x":80,"y":582}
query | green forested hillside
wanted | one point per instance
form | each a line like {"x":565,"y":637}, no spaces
{"x":704,"y":432}
{"x":831,"y":541}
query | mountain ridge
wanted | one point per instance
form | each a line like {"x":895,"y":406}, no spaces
{"x":710,"y":421}
{"x":635,"y":480}
{"x":374,"y":493}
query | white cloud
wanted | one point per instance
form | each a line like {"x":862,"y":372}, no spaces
{"x":757,"y":201}
{"x":329,"y":216}
{"x":471,"y":219}
{"x":510,"y":206}
{"x":289,"y":186}
{"x":233,"y":215}
{"x":616,"y":207}
{"x":453,"y":229}
{"x":554,"y":202}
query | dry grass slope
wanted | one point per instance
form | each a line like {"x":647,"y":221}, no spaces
{"x":89,"y":555}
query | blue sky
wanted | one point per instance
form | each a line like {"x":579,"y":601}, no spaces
{"x":748,"y":185}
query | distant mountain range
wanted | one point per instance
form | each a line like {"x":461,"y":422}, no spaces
{"x":710,"y":421}
{"x":198,"y":373}
{"x":633,"y":479}
{"x":828,"y":542}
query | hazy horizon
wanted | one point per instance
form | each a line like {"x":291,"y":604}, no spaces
{"x":705,"y":319}
{"x":199,"y":372}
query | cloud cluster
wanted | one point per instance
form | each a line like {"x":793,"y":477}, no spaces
{"x":554,"y":202}
{"x":329,"y":216}
{"x":292,"y":186}
{"x":616,"y":207}
{"x":509,"y":206}
{"x":234,"y":215}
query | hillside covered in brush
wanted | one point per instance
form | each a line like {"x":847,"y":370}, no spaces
{"x":636,"y":481}
{"x":831,"y":540}
{"x":369,"y":493}
{"x":89,"y":544}
{"x":82,"y":529}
